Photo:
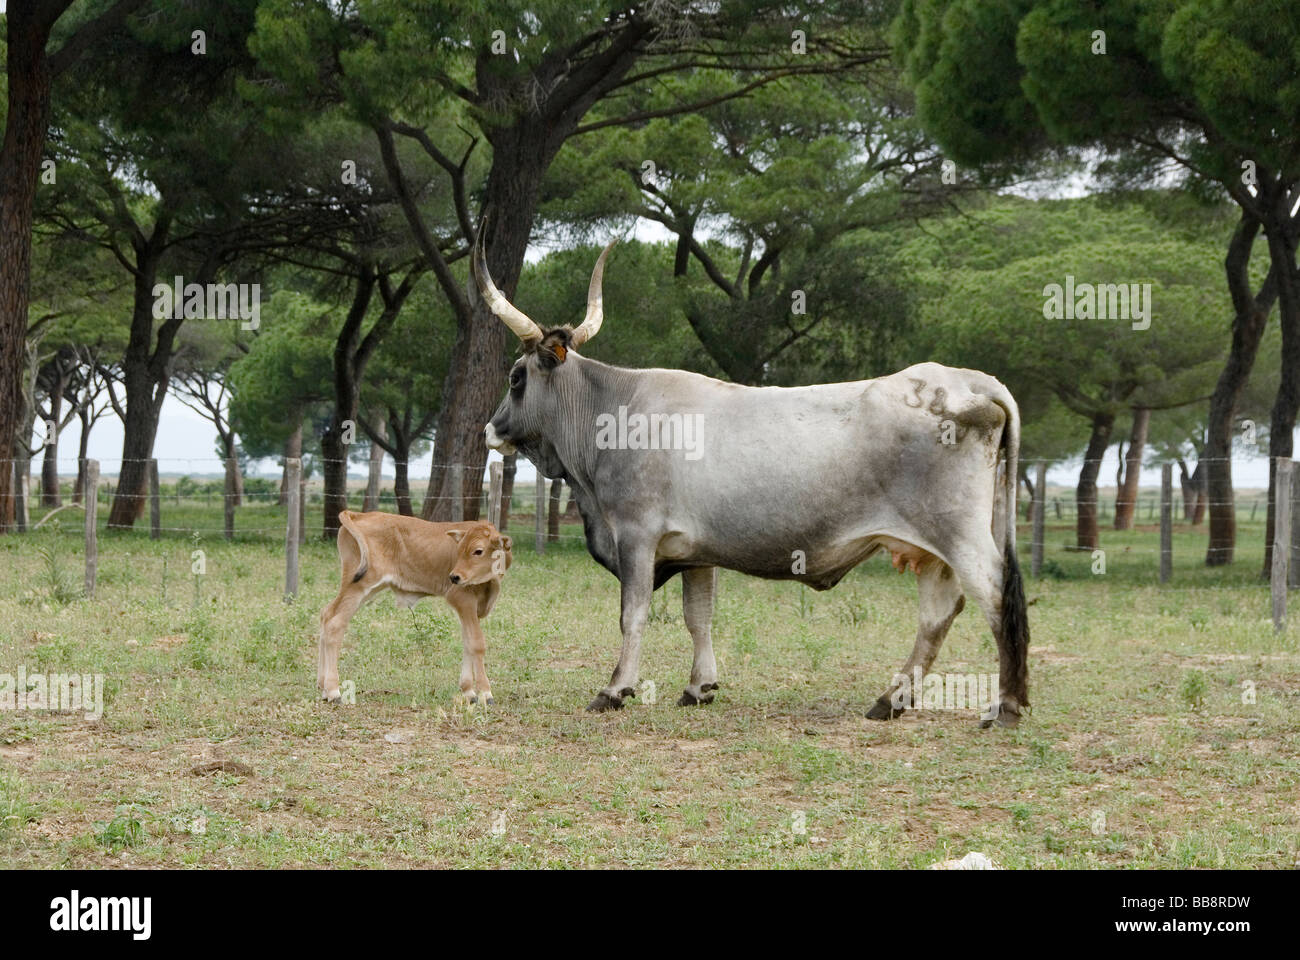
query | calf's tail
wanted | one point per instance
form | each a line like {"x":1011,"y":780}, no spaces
{"x":345,"y":520}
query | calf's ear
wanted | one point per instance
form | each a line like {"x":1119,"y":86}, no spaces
{"x":505,"y":541}
{"x":456,"y":535}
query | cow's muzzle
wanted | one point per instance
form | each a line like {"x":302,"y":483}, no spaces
{"x":496,"y":442}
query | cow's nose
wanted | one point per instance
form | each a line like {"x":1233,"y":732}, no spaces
{"x":455,"y":578}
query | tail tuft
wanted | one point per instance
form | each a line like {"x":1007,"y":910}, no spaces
{"x":1015,"y":626}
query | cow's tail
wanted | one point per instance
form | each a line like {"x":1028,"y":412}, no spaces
{"x":345,"y":519}
{"x":1015,"y":612}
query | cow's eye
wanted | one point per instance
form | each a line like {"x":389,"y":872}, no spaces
{"x":517,"y":378}
{"x":478,"y":552}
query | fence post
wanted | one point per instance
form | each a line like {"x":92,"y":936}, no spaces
{"x":20,"y":497}
{"x":1166,"y":521}
{"x":229,"y":498}
{"x":457,"y":495}
{"x":540,"y":520}
{"x":155,"y":506}
{"x":1281,"y":542}
{"x":1040,"y":512}
{"x":1293,"y":572}
{"x":91,"y":498}
{"x":302,"y":506}
{"x":494,"y":493}
{"x":293,"y":486}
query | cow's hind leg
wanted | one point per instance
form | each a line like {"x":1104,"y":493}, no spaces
{"x":981,"y":573}
{"x":939,"y":600}
{"x":698,"y":586}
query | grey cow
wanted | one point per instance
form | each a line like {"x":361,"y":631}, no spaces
{"x":674,"y":472}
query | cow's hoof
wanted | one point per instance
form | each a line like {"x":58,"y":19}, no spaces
{"x":882,"y":709}
{"x":471,"y":698}
{"x":1005,"y":717}
{"x":332,"y":696}
{"x":691,"y":699}
{"x":605,"y":702}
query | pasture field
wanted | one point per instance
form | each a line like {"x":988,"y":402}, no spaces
{"x":1142,"y":750}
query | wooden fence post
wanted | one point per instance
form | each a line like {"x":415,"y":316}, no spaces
{"x":540,"y":520}
{"x":1281,"y":541}
{"x":1293,"y":572}
{"x":228,"y":497}
{"x":553,"y":512}
{"x":91,"y":499}
{"x":494,"y":493}
{"x":1040,"y":515}
{"x":155,"y":506}
{"x":457,"y":495}
{"x":1166,"y":522}
{"x":20,"y":497}
{"x":293,"y":485}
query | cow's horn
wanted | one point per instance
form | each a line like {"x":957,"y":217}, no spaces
{"x":595,"y":304}
{"x":514,"y":318}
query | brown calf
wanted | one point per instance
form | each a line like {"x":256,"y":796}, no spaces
{"x":463,"y":562}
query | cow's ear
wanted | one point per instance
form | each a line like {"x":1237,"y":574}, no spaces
{"x":551,"y":356}
{"x":506,"y":542}
{"x":456,"y":535}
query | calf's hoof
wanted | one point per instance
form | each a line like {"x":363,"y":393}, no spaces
{"x":883,"y":709}
{"x":332,"y":696}
{"x":690,"y":698}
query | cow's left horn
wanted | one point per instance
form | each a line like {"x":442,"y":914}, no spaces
{"x":514,"y":318}
{"x":595,"y":303}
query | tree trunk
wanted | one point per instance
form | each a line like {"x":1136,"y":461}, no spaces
{"x":1029,"y":498}
{"x":508,"y":467}
{"x":292,"y":450}
{"x":1200,"y":479}
{"x":402,"y":483}
{"x":1126,"y":495}
{"x":20,"y":160}
{"x":376,"y":472}
{"x":234,"y":486}
{"x":82,"y":445}
{"x":476,"y":382}
{"x":571,"y":514}
{"x":553,"y":512}
{"x":50,"y":496}
{"x":146,"y":371}
{"x":1282,"y":251}
{"x":1188,"y":489}
{"x":347,"y":392}
{"x":1248,"y":323}
{"x":1086,"y":492}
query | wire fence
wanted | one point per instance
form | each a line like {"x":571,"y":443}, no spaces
{"x":181,"y":499}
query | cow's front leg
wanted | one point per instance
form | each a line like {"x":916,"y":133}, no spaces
{"x":636,"y":576}
{"x":698,"y":587}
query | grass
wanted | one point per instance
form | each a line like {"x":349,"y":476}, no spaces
{"x":1165,"y":730}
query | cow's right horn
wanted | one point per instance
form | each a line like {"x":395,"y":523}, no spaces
{"x":595,"y":301}
{"x":514,"y":318}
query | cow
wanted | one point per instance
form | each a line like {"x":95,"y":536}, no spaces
{"x":461,"y":562}
{"x":792,"y":483}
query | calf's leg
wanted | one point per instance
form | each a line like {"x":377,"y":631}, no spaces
{"x":334,"y":621}
{"x":473,"y":671}
{"x":698,"y":587}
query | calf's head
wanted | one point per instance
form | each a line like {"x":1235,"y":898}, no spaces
{"x":542,"y":390}
{"x":482,"y":554}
